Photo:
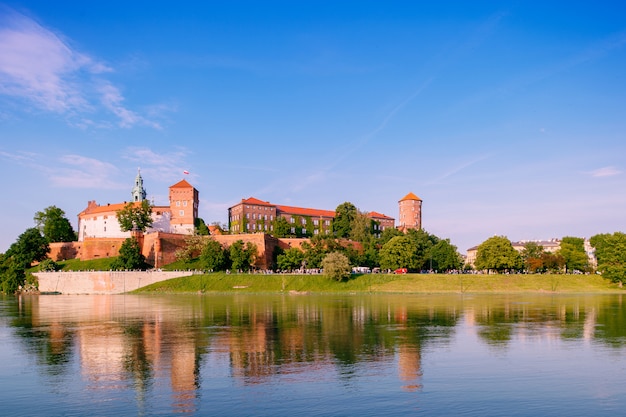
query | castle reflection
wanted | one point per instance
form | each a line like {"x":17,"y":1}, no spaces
{"x":138,"y":342}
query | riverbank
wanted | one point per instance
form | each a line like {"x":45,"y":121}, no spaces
{"x":385,"y":283}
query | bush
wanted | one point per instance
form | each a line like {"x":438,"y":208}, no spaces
{"x":336,"y":266}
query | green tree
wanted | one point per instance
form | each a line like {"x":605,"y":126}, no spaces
{"x":336,"y":266}
{"x":532,"y":257}
{"x":361,"y":228}
{"x":200,"y":227}
{"x":48,"y":265}
{"x":573,"y":251}
{"x":318,"y":247}
{"x":31,"y":246}
{"x":213,"y":256}
{"x":422,"y":243}
{"x":399,"y":252}
{"x":290,"y":259}
{"x":194,"y":244}
{"x":344,"y":216}
{"x":54,"y":225}
{"x":445,"y":256}
{"x":135,"y":216}
{"x":130,"y":256}
{"x":388,"y":234}
{"x":12,"y":275}
{"x":242,"y":255}
{"x":497,"y":253}
{"x":611,"y":255}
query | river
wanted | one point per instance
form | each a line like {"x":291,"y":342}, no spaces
{"x":313,"y":355}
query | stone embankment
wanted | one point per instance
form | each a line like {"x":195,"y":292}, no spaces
{"x":101,"y":282}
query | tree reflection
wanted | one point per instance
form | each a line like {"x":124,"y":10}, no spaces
{"x":134,"y":340}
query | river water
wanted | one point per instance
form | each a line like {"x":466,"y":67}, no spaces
{"x":313,"y":355}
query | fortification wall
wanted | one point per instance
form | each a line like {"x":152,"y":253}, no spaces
{"x":160,"y":248}
{"x":102,"y":282}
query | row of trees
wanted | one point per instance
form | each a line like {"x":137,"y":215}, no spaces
{"x":211,"y":255}
{"x":32,"y":246}
{"x":497,"y":254}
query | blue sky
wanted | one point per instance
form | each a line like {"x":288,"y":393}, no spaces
{"x":506,"y":118}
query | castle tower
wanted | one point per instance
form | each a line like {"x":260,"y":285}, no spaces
{"x":410,"y":212}
{"x":138,"y":193}
{"x":184,"y":207}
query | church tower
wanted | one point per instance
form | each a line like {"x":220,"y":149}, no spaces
{"x":410,"y":212}
{"x":138,"y":193}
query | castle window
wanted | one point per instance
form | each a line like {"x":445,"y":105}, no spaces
{"x":316,"y":231}
{"x":185,"y":203}
{"x":177,"y":203}
{"x":271,"y":217}
{"x":293,"y":230}
{"x":316,"y":222}
{"x":293,"y":220}
{"x":181,"y":212}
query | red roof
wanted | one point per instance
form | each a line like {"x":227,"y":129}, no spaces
{"x":301,"y":211}
{"x":411,"y":196}
{"x":93,"y":208}
{"x":182,"y":184}
{"x":256,"y":201}
{"x":376,"y":215}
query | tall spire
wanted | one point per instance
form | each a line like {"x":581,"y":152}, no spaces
{"x":138,"y":193}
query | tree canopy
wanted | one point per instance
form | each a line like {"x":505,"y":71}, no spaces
{"x":611,"y":255}
{"x":242,"y":255}
{"x":336,"y":266}
{"x":213,"y":256}
{"x":573,"y":252}
{"x":497,"y":253}
{"x":290,"y":259}
{"x":54,"y":225}
{"x":31,"y":246}
{"x":344,"y":216}
{"x":130,"y":256}
{"x":399,"y":252}
{"x":135,"y":216}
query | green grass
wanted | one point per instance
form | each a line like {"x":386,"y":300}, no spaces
{"x":101,"y":264}
{"x":409,"y":283}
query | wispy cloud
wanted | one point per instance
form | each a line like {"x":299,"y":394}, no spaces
{"x":42,"y":68}
{"x":79,"y":171}
{"x":163,"y":166}
{"x":605,"y":172}
{"x":459,"y":167}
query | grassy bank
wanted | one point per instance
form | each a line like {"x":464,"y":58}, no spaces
{"x":409,"y":283}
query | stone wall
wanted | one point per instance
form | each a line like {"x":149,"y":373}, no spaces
{"x":160,"y":248}
{"x":101,"y":282}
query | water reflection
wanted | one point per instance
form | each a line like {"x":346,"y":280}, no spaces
{"x":183,"y":347}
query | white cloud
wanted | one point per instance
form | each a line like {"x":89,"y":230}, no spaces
{"x":83,"y":172}
{"x":162,"y":166}
{"x":43,"y":69}
{"x":605,"y":172}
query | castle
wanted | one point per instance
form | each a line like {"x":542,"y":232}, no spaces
{"x":251,"y":220}
{"x":179,"y":217}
